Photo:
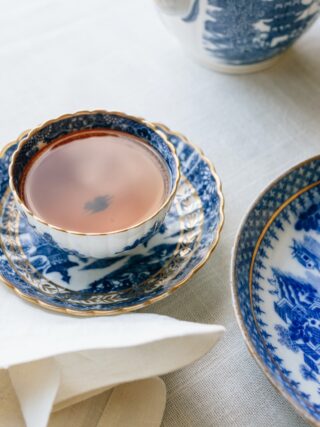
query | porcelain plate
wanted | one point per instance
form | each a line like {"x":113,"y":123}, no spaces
{"x":276,"y":285}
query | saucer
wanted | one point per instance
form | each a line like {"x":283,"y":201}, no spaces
{"x":39,"y":271}
{"x":276,"y":285}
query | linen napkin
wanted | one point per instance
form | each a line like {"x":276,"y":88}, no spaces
{"x":54,"y":360}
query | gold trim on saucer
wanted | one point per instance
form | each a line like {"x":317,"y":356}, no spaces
{"x":40,"y":282}
{"x":122,"y":310}
{"x":234,"y":290}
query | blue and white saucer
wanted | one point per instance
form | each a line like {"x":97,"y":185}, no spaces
{"x":276,"y":285}
{"x":44,"y":274}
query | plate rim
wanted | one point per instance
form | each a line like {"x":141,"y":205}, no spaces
{"x":122,"y":310}
{"x":235,"y":295}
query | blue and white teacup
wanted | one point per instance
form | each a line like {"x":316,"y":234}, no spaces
{"x":237,"y":36}
{"x":96,"y":245}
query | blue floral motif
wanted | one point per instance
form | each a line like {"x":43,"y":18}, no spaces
{"x":4,"y":166}
{"x":307,"y":373}
{"x":307,"y":253}
{"x":279,"y":307}
{"x":298,"y":305}
{"x":241,"y":32}
{"x":286,"y":339}
{"x":157,"y":227}
{"x":46,"y":256}
{"x":309,"y":219}
{"x":131,"y":275}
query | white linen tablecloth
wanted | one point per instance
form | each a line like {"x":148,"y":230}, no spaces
{"x":59,"y":56}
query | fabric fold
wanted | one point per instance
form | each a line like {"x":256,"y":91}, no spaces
{"x":36,"y":385}
{"x":55,"y":361}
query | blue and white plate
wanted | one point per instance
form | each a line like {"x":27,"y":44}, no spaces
{"x":276,"y":285}
{"x":42,"y":273}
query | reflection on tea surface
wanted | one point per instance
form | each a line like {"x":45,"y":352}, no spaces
{"x":96,"y":182}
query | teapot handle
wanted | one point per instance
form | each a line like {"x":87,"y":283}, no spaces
{"x":179,"y":8}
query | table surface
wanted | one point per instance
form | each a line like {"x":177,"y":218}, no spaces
{"x":61,"y":56}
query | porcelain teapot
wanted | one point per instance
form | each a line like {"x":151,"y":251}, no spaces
{"x":237,"y":36}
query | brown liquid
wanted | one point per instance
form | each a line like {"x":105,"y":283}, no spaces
{"x":96,"y":182}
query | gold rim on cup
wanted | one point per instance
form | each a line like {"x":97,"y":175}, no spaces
{"x":24,"y":138}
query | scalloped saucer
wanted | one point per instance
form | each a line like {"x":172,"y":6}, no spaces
{"x":276,"y":285}
{"x":42,"y":273}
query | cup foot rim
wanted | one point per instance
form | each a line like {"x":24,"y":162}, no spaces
{"x":221,"y":67}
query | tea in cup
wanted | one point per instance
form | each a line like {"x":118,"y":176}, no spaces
{"x":97,"y":182}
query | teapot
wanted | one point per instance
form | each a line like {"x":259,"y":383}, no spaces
{"x":237,"y":36}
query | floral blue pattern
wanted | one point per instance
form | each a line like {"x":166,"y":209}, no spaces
{"x":37,"y":268}
{"x":276,"y":283}
{"x":239,"y":32}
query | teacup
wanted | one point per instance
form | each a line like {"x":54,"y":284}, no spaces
{"x":88,"y":244}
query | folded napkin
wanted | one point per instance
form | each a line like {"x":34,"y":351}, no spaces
{"x":51,"y":361}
